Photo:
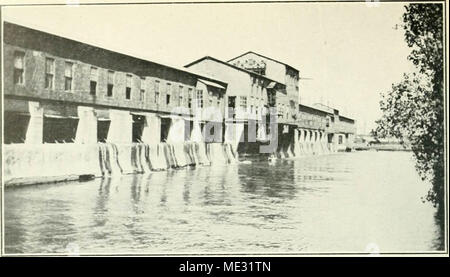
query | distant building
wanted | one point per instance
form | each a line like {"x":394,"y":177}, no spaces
{"x":283,"y":73}
{"x":256,"y":82}
{"x":249,"y":97}
{"x":341,"y":129}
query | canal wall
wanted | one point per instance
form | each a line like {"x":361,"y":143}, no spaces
{"x":28,"y":163}
{"x":54,"y":162}
{"x":32,"y":164}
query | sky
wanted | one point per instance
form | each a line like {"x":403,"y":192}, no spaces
{"x":350,"y":52}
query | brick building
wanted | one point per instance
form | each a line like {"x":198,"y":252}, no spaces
{"x":58,"y":90}
{"x":61,"y":90}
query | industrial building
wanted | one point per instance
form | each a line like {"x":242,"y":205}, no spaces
{"x":74,"y":109}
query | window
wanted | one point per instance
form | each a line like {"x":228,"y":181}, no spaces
{"x":199,"y":98}
{"x":157,"y":85}
{"x":243,"y":101}
{"x":128,"y":93}
{"x":68,"y":76}
{"x":210,"y":98}
{"x":94,"y":79}
{"x":19,"y":67}
{"x":168,"y":91}
{"x":190,"y":98}
{"x":128,"y":88}
{"x":180,"y":96}
{"x":271,"y":100}
{"x":93,"y":87}
{"x":142,"y":93}
{"x":49,"y":72}
{"x":110,"y":85}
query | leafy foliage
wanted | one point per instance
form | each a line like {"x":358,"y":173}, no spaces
{"x":413,"y":109}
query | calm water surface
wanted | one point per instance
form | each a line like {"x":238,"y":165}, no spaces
{"x":347,"y":202}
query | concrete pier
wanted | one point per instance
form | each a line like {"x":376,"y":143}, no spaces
{"x":87,"y":126}
{"x":120,"y":130}
{"x":34,"y":132}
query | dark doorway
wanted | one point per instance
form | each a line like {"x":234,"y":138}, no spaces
{"x":138,"y":127}
{"x":330,"y":138}
{"x":15,"y":128}
{"x":188,"y":126}
{"x":165,"y":126}
{"x":59,"y":130}
{"x":102,"y":130}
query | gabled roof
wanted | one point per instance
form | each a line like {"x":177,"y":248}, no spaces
{"x":233,"y":66}
{"x":331,"y":110}
{"x":212,"y":84}
{"x":311,"y":108}
{"x":13,"y":30}
{"x":324,"y":107}
{"x":251,"y":52}
{"x":346,"y":118}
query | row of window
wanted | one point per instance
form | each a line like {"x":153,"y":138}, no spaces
{"x":50,"y":74}
{"x":253,"y":109}
{"x":68,"y":79}
{"x":257,"y":90}
{"x":19,"y":69}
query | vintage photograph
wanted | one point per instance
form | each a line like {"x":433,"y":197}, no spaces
{"x":257,"y":128}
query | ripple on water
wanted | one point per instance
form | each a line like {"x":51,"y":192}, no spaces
{"x":315,"y":204}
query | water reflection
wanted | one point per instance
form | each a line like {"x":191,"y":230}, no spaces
{"x":317,"y":204}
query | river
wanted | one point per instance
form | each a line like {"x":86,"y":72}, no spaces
{"x":345,"y":202}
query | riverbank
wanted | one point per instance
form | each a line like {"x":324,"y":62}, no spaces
{"x":381,"y":147}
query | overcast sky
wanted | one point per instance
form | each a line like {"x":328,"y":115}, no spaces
{"x":351,"y":51}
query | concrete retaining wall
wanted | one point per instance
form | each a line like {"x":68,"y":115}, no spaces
{"x":24,"y":163}
{"x":31,"y":164}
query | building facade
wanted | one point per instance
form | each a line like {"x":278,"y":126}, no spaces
{"x":74,"y":109}
{"x":287,"y":102}
{"x":341,"y":130}
{"x":61,"y":90}
{"x":249,"y":97}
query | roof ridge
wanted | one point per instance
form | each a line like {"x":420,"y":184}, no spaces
{"x":233,"y":66}
{"x":269,"y":58}
{"x":119,"y":52}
